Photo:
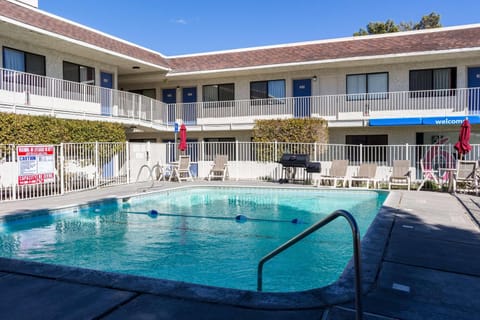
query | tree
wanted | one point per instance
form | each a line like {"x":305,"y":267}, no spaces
{"x":406,"y":26}
{"x":427,"y":22}
{"x":378,"y":28}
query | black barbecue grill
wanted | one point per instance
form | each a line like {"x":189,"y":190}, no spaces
{"x":291,"y":161}
{"x":313,"y":167}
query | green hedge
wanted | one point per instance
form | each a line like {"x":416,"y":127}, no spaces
{"x":293,"y":135}
{"x":306,"y":130}
{"x":24,"y":129}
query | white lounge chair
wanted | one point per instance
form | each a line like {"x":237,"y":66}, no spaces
{"x":337,"y":173}
{"x":181,"y":171}
{"x":366,"y":174}
{"x":219,"y":168}
{"x":400,"y":174}
{"x":466,"y":176}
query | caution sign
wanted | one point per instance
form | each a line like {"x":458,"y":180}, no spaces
{"x":36,"y":164}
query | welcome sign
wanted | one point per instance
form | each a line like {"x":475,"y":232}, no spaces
{"x":436,"y":121}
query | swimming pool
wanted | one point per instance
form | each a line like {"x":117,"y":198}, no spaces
{"x":196,"y":238}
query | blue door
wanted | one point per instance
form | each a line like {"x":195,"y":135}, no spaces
{"x":106,"y":80}
{"x":302,"y":92}
{"x":170,"y":98}
{"x":189,"y":98}
{"x":474,"y":94}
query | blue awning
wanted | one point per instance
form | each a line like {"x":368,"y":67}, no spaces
{"x":427,"y":121}
{"x":384,"y":122}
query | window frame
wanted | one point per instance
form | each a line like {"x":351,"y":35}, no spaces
{"x":219,"y":88}
{"x":432,"y":91}
{"x":25,"y":62}
{"x":267,"y":99}
{"x":367,"y":95}
{"x":79,"y":66}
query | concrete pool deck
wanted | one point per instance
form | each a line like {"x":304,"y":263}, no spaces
{"x":421,"y":264}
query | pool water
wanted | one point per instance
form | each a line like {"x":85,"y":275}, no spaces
{"x":198,"y":236}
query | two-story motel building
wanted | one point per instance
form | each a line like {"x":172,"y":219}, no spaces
{"x":406,"y":87}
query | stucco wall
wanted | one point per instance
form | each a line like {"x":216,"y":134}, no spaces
{"x":54,"y":60}
{"x":330,"y":81}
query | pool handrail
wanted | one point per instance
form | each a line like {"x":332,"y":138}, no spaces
{"x":151,"y":171}
{"x":310,"y":230}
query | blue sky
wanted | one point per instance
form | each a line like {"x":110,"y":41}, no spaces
{"x":194,"y":26}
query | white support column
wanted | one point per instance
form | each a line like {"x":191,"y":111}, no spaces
{"x":97,"y":163}
{"x":15,"y":183}
{"x":275,"y":150}
{"x":127,"y":151}
{"x":236,"y":159}
{"x":62,"y":168}
{"x":361,"y":153}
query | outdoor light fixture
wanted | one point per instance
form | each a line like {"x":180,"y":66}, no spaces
{"x":135,"y":67}
{"x":314,"y":78}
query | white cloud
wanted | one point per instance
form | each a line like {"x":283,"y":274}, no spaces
{"x":179,"y":21}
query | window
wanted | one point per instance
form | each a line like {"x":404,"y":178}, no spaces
{"x":151,"y":93}
{"x":433,"y":79}
{"x":273,"y":90}
{"x":23,"y":61}
{"x":374,"y":147}
{"x":219,"y":92}
{"x":367,"y":86}
{"x":78,"y":73}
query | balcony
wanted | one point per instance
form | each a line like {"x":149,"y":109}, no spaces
{"x":31,"y":94}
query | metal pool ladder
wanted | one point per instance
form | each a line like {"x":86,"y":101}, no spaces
{"x":312,"y":229}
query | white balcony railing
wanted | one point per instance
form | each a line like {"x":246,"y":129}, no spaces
{"x":33,"y":94}
{"x":24,"y":92}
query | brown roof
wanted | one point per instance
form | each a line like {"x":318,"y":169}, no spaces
{"x":46,"y":22}
{"x":441,"y":39}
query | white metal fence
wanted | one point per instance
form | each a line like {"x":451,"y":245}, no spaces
{"x":80,"y":166}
